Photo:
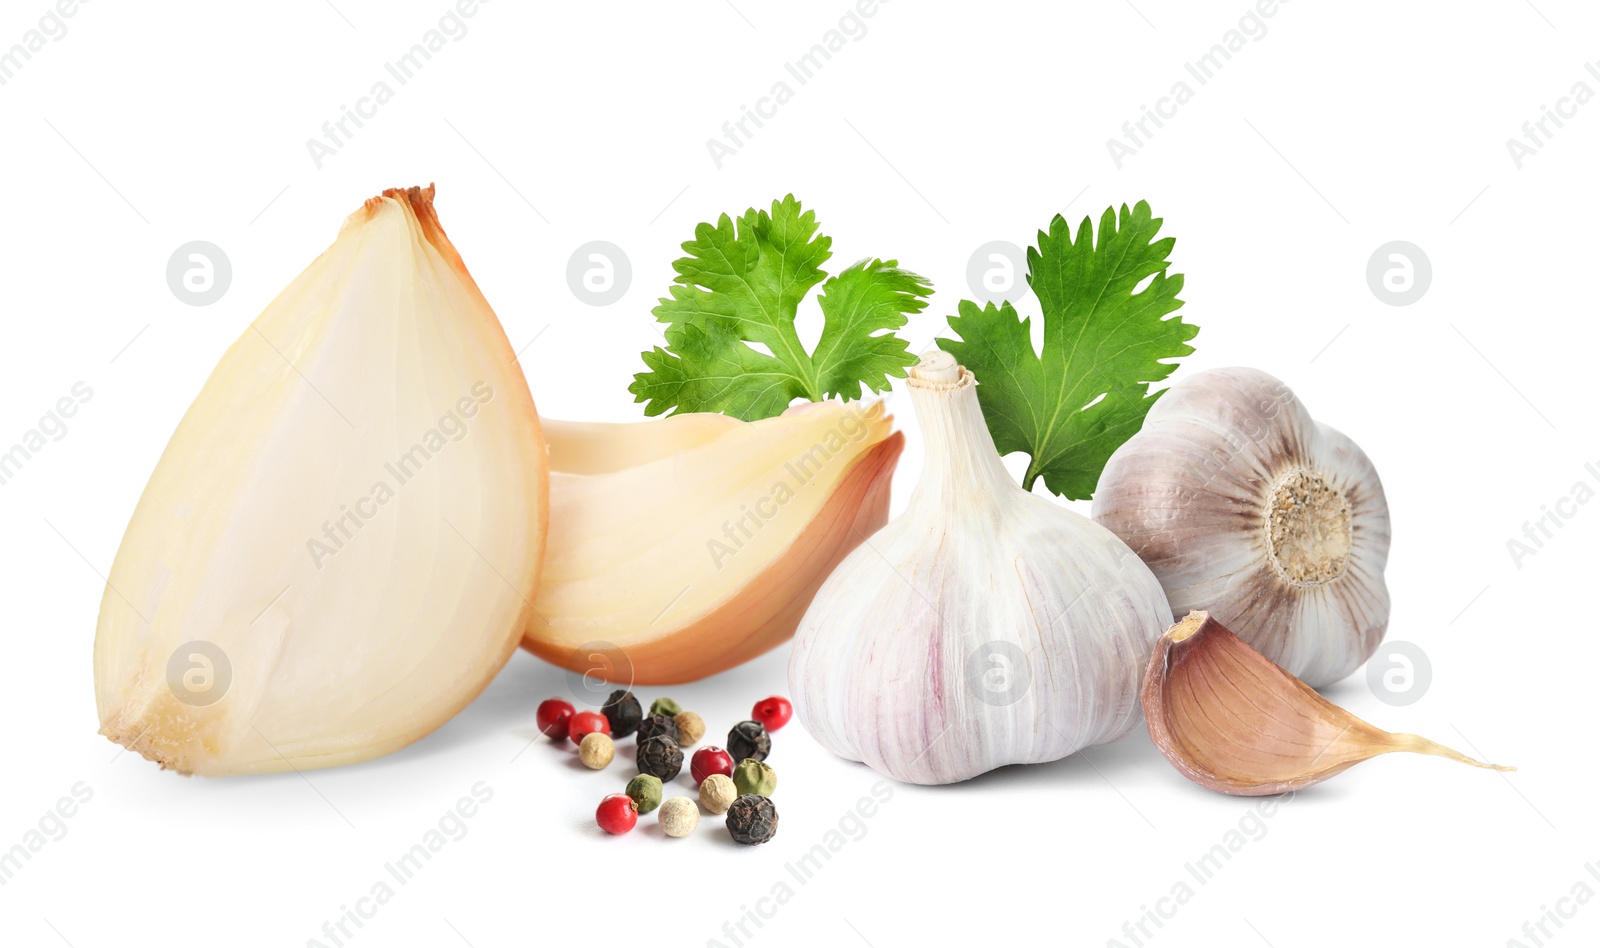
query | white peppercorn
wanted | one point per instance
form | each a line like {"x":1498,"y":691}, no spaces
{"x":690,"y":728}
{"x":679,"y":816}
{"x":596,"y":751}
{"x":717,"y":793}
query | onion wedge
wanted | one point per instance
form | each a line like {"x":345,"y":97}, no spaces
{"x":340,"y":545}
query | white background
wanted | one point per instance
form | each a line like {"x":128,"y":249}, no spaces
{"x":945,"y":126}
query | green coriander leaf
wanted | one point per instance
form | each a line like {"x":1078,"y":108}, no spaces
{"x":742,"y":283}
{"x":858,"y":304}
{"x":709,"y":366}
{"x":1105,"y":335}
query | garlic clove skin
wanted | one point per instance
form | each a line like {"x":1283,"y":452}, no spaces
{"x":683,"y":546}
{"x":1244,"y":505}
{"x":984,"y":626}
{"x":252,"y":622}
{"x":1232,"y":721}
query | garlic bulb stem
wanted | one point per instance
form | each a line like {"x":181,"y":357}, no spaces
{"x":962,"y":470}
{"x":937,"y":367}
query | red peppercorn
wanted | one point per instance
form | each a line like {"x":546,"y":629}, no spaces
{"x":587,"y":722}
{"x":707,"y":761}
{"x":617,"y":814}
{"x":774,"y":712}
{"x":553,"y":717}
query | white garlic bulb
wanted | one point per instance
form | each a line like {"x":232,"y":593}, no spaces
{"x":984,"y":626}
{"x":1247,"y":508}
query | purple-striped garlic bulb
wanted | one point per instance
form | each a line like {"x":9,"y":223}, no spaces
{"x":984,"y":626}
{"x":1245,"y":507}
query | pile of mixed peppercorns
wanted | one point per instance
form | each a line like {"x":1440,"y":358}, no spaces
{"x":743,"y":791}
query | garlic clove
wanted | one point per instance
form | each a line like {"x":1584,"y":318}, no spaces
{"x":1244,"y":505}
{"x":684,"y":546}
{"x":341,"y":542}
{"x":1230,"y":720}
{"x":984,"y":626}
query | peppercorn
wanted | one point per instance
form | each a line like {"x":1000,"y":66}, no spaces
{"x":587,"y":722}
{"x":749,"y":740}
{"x":752,"y":820}
{"x":717,"y":793}
{"x":658,"y":724}
{"x":645,"y":791}
{"x":665,"y":706}
{"x":690,"y":728}
{"x":710,"y":760}
{"x":679,"y":816}
{"x":553,"y":716}
{"x":753,"y":776}
{"x":616,"y":814}
{"x":660,"y":756}
{"x":622,"y":710}
{"x":774,"y":712}
{"x":596,"y":750}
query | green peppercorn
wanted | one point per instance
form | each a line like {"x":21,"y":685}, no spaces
{"x":645,"y":791}
{"x":656,"y":725}
{"x":749,"y":740}
{"x":753,"y":776}
{"x":660,"y":756}
{"x":752,"y":820}
{"x":665,"y":706}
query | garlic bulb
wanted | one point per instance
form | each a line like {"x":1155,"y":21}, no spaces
{"x":341,"y":542}
{"x":684,"y":546}
{"x":984,"y":626}
{"x":1247,"y":508}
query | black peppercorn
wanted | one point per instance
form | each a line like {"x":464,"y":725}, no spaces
{"x":660,"y":757}
{"x":656,"y":725}
{"x":623,"y":711}
{"x":752,"y":820}
{"x":749,"y":740}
